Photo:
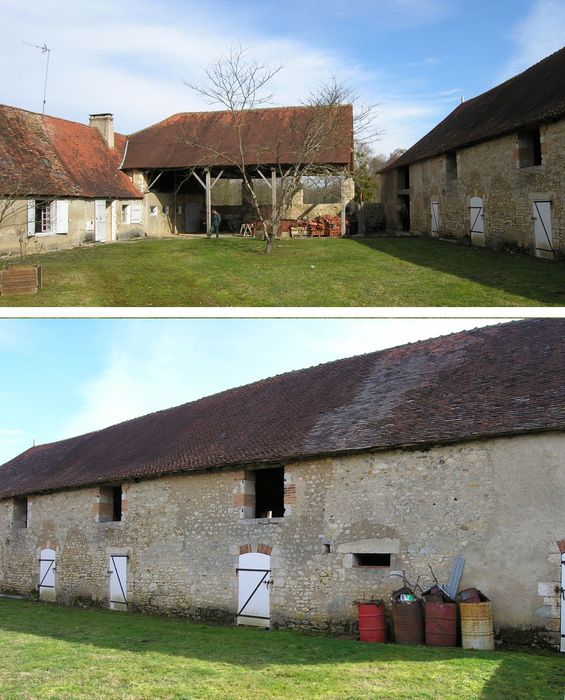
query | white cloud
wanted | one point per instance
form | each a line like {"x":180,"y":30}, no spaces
{"x":131,"y":58}
{"x":537,"y":35}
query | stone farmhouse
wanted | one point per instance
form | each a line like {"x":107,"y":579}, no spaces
{"x":492,"y":172}
{"x":282,"y":502}
{"x":63,"y":183}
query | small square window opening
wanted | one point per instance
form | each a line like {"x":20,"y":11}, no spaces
{"x":371,"y":559}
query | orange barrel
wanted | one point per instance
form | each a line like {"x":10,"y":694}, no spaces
{"x":476,"y":626}
{"x":372,"y":623}
{"x":441,"y":624}
{"x":470,"y":595}
{"x":407,"y":623}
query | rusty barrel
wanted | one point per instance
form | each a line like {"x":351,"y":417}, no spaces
{"x":407,"y":623}
{"x":470,"y":595}
{"x":441,"y":624}
{"x":476,"y":626}
{"x":372,"y":622}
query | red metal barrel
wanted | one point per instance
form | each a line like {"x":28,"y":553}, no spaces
{"x":407,"y":622}
{"x":372,"y":623}
{"x":441,"y":624}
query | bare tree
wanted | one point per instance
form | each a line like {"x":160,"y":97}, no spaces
{"x":15,"y":191}
{"x":239,"y":85}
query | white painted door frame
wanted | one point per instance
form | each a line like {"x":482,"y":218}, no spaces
{"x":434,"y":205}
{"x":100,"y":220}
{"x":541,"y":215}
{"x":254,"y":582}
{"x":476,"y":216}
{"x":118,"y":585}
{"x":562,"y":591}
{"x":47,"y":569}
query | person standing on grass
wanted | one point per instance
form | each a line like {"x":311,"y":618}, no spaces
{"x":216,"y":221}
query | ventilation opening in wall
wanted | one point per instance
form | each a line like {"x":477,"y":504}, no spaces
{"x":451,"y":165}
{"x":110,"y":505}
{"x":529,"y":145}
{"x":20,"y":513}
{"x":403,"y":178}
{"x":371,"y":559}
{"x":269,"y":493}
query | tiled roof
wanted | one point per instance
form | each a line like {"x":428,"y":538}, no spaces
{"x":534,"y":97}
{"x":505,"y":379}
{"x":274,"y":136}
{"x":46,"y":156}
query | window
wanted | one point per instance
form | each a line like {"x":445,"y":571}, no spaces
{"x":20,"y":513}
{"x":371,"y":559}
{"x":529,"y":148}
{"x":153,"y":211}
{"x":166,"y":210}
{"x":43,"y":216}
{"x":403,"y":181}
{"x":110,"y":504}
{"x":126,"y":214}
{"x":269,"y":493}
{"x":451,"y":165}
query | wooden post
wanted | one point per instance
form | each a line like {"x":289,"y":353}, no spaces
{"x":208,"y":204}
{"x":273,"y":194}
{"x":343,"y":205}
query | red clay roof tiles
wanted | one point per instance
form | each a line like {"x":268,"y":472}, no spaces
{"x":274,"y":136}
{"x":506,"y":379}
{"x":46,"y":156}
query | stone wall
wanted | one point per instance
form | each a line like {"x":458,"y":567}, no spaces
{"x":498,"y":503}
{"x":492,"y":171}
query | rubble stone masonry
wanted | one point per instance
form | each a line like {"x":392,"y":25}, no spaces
{"x":497,"y":502}
{"x":490,"y":170}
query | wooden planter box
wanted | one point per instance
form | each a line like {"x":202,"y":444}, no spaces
{"x":20,"y":279}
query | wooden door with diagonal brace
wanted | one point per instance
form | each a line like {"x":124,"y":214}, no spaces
{"x":435,"y":218}
{"x":118,"y":570}
{"x":476,"y":215}
{"x":47,"y":560}
{"x":254,"y":581}
{"x":542,"y":225}
{"x":562,"y":591}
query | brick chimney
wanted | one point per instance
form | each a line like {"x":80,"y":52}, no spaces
{"x":105,"y":125}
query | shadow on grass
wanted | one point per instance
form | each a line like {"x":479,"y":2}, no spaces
{"x":510,"y":674}
{"x":541,"y":281}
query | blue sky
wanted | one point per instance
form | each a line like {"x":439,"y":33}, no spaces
{"x":64,"y":377}
{"x":413,"y":58}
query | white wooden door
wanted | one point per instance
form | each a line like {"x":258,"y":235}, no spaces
{"x":100,"y":220}
{"x":476,"y":215}
{"x":563,"y":602}
{"x":542,"y":225}
{"x":435,"y":218}
{"x":118,"y":570}
{"x":254,"y":581}
{"x":47,"y":561}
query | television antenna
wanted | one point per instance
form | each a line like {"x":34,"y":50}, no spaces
{"x":45,"y":51}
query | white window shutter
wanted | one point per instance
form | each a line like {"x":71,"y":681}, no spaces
{"x":31,"y":217}
{"x":136,"y":213}
{"x":61,"y":216}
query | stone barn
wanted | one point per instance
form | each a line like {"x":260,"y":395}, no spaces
{"x":492,"y":172}
{"x":281,"y":502}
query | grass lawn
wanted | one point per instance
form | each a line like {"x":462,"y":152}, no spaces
{"x":53,"y":652}
{"x":329,"y":272}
